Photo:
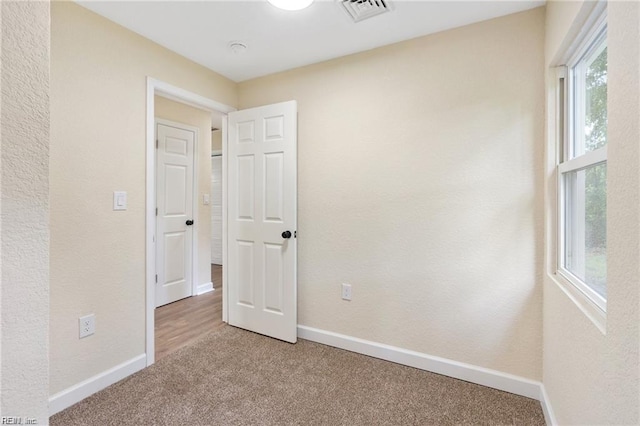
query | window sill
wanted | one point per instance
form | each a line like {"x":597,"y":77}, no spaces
{"x":594,"y":313}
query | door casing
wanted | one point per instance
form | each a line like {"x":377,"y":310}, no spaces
{"x":157,"y":87}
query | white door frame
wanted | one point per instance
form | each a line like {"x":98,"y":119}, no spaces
{"x":157,"y":87}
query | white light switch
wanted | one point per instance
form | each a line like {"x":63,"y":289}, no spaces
{"x":119,"y":200}
{"x":205,"y":199}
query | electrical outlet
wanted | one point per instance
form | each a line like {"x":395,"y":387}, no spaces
{"x":87,"y":325}
{"x":346,"y":291}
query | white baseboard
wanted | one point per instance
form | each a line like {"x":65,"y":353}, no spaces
{"x":204,"y":288}
{"x":458,"y":370}
{"x":84,"y":389}
{"x":549,"y":417}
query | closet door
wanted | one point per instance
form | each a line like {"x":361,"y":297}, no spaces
{"x":216,"y":210}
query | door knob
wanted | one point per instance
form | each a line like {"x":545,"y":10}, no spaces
{"x":286,"y":234}
{"x":189,"y":222}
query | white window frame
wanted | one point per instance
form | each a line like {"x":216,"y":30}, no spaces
{"x":567,"y":103}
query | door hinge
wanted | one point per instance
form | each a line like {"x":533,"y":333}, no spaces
{"x":156,"y":278}
{"x":156,"y":211}
{"x":157,"y":143}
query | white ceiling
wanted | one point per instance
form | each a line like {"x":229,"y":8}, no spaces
{"x":280,"y":40}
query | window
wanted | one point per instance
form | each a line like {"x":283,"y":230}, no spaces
{"x":582,"y":170}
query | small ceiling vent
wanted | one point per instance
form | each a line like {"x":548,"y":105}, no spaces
{"x":360,"y":10}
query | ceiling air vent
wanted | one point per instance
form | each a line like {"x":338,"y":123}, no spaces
{"x":360,"y":10}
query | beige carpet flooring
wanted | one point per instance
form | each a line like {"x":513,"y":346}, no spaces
{"x":234,"y":377}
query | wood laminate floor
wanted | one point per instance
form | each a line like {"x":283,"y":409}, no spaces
{"x":181,"y":323}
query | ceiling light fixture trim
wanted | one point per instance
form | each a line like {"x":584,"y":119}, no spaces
{"x":291,"y":4}
{"x":238,"y":47}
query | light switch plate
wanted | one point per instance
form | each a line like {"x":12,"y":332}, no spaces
{"x":205,"y":199}
{"x":119,"y":200}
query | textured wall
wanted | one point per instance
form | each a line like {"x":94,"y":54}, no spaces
{"x":24,"y":190}
{"x":591,"y":377}
{"x":1,"y":26}
{"x":560,"y":15}
{"x":181,"y":113}
{"x":98,"y":106}
{"x":420,"y":183}
{"x":622,"y":363}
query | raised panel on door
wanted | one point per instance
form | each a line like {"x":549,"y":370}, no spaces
{"x":174,"y":266}
{"x":273,"y":187}
{"x":246,"y":132}
{"x":245,"y":273}
{"x":175,"y":190}
{"x":177,"y":146}
{"x":262,"y":205}
{"x":273,"y":281}
{"x":246,"y":187}
{"x":273,"y":128}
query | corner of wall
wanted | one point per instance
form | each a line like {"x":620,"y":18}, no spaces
{"x":592,"y":375}
{"x":547,"y":409}
{"x":24,"y":193}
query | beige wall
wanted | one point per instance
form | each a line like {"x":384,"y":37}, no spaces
{"x":216,"y":140}
{"x":420,"y":183}
{"x":558,"y":21}
{"x":98,"y":104}
{"x":181,"y":113}
{"x":24,"y":189}
{"x":593,"y":377}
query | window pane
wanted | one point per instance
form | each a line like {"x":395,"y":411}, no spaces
{"x":586,"y":226}
{"x":590,"y":87}
{"x":595,"y":130}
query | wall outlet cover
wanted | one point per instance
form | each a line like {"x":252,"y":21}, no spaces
{"x":346,"y":291}
{"x":87,"y":325}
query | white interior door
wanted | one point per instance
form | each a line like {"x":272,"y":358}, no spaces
{"x":174,"y":196}
{"x":216,"y":210}
{"x":262,"y":219}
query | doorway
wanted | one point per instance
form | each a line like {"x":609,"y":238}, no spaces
{"x":167,"y":91}
{"x":186,"y":321}
{"x":259,"y":215}
{"x":185,"y":313}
